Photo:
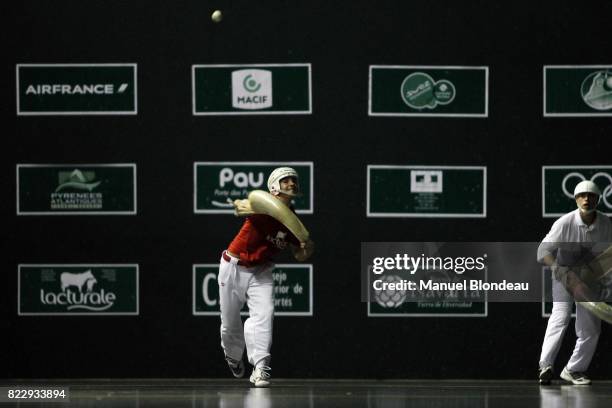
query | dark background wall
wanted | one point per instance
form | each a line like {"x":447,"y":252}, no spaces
{"x":340,"y":39}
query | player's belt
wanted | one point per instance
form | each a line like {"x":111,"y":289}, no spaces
{"x":231,"y":259}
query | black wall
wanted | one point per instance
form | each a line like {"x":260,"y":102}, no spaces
{"x":340,"y":39}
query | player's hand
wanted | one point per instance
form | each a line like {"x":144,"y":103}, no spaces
{"x":560,"y":272}
{"x":573,"y":283}
{"x":309,"y":244}
{"x":242,"y":208}
{"x":304,"y":251}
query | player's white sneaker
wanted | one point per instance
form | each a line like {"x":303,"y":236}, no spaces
{"x":261,"y":376}
{"x":236,"y":366}
{"x":575,"y":378}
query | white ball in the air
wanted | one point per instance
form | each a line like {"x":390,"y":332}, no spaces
{"x":217,"y":16}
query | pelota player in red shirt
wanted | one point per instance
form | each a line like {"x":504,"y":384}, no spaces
{"x":245,"y":275}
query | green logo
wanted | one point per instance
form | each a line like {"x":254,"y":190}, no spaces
{"x":443,"y":91}
{"x":77,"y":180}
{"x":426,"y":191}
{"x":250,"y":84}
{"x":94,"y":189}
{"x":76,"y":89}
{"x":420,"y":91}
{"x":78,"y":289}
{"x":258,"y":89}
{"x":292,"y":290}
{"x":559,"y":183}
{"x":596,"y":90}
{"x":252,"y":89}
{"x":219,"y":183}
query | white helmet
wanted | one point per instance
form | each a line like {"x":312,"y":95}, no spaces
{"x":587,"y":186}
{"x":276,"y":176}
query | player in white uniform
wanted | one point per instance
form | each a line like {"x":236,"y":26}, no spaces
{"x":245,"y":275}
{"x":584,"y":225}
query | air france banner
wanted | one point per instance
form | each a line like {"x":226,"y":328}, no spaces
{"x":78,"y":289}
{"x":426,"y":191}
{"x":76,"y":89}
{"x":218,"y":183}
{"x":428,"y":91}
{"x":292,"y":290}
{"x":558,"y":183}
{"x":577,"y":90}
{"x":256,"y":89}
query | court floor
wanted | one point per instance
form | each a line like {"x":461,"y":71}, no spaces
{"x":204,"y":393}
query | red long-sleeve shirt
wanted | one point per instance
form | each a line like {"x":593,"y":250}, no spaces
{"x":260,"y":239}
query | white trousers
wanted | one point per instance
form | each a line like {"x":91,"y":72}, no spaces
{"x":237,"y":285}
{"x":588,"y":327}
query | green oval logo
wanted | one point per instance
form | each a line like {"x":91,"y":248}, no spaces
{"x":420,"y":91}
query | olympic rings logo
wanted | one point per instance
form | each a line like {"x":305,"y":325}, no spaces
{"x":607,"y":192}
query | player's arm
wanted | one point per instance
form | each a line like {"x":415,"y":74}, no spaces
{"x":547,"y":252}
{"x":549,"y":246}
{"x":548,"y":260}
{"x":304,"y":251}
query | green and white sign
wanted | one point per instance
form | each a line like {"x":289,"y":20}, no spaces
{"x":427,"y":191}
{"x":71,"y":189}
{"x":439,"y":303}
{"x":558,"y":183}
{"x":428,"y":91}
{"x":577,"y":90}
{"x":78,"y":289}
{"x":216,"y":182}
{"x":292,"y":290}
{"x":76,"y":89}
{"x":256,"y":89}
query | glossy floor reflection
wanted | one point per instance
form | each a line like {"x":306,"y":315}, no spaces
{"x":207,"y":393}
